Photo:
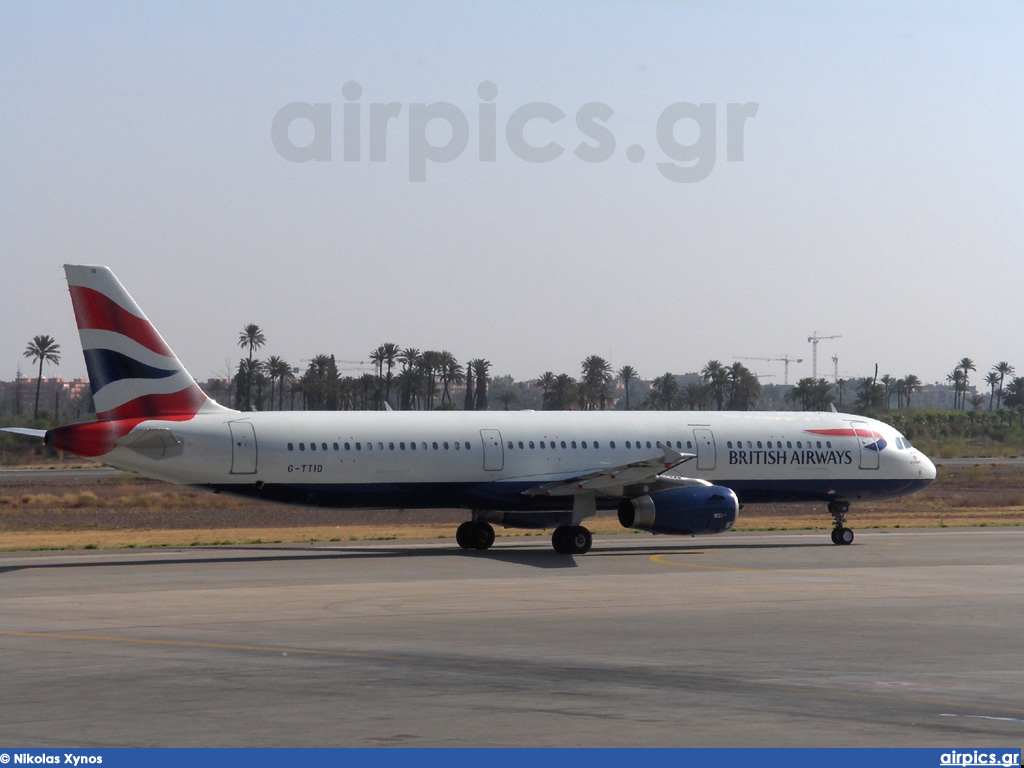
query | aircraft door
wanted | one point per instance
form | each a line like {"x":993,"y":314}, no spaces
{"x":870,"y":446}
{"x":494,"y":453}
{"x":706,"y":454}
{"x":243,"y":448}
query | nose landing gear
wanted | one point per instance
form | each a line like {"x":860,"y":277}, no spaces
{"x":840,"y":534}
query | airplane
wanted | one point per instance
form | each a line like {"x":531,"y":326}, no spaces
{"x":666,"y":472}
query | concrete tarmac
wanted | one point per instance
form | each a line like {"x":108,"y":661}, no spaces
{"x":912,"y":638}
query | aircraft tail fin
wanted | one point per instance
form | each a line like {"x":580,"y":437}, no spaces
{"x":132,"y":372}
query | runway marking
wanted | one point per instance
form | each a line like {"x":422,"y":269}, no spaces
{"x":696,"y":682}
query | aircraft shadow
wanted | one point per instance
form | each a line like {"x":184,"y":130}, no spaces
{"x":529,"y":554}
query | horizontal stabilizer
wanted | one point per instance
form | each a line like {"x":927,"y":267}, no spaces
{"x":37,"y":433}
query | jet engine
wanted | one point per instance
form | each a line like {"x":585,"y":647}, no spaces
{"x":693,"y":510}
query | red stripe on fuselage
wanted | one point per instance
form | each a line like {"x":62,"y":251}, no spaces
{"x":95,"y":311}
{"x":844,"y":433}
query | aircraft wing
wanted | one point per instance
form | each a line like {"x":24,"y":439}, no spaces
{"x":614,"y":480}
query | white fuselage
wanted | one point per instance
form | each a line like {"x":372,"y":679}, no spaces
{"x":488,"y":459}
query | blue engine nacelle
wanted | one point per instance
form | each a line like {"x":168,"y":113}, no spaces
{"x":692,"y":510}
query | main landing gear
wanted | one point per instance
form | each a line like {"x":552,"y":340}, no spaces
{"x":475,"y":534}
{"x":571,"y":540}
{"x":840,"y":534}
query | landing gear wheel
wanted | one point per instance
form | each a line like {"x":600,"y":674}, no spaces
{"x":560,"y":539}
{"x":481,"y":535}
{"x":462,"y":535}
{"x":580,"y":540}
{"x":840,"y":534}
{"x":571,"y":540}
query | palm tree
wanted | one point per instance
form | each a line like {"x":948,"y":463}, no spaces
{"x":507,"y":397}
{"x":744,"y":388}
{"x":992,"y":379}
{"x":956,"y":377}
{"x":716,"y":376}
{"x":563,"y":393}
{"x":911,"y":384}
{"x":253,"y":338}
{"x":547,"y":383}
{"x":966,"y":365}
{"x":597,"y":373}
{"x":42,"y":349}
{"x":385,"y":355}
{"x":468,"y":403}
{"x":451,"y":373}
{"x":627,"y":373}
{"x":480,"y":371}
{"x":889,"y":383}
{"x":431,"y":363}
{"x":1004,"y":369}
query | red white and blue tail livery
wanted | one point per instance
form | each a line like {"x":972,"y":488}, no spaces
{"x":132,"y":371}
{"x":671,"y":472}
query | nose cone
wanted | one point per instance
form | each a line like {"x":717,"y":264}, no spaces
{"x":926,"y":469}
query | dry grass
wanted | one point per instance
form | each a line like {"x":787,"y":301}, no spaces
{"x":131,"y":512}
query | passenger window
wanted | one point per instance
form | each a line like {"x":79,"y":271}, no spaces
{"x":531,"y":444}
{"x":541,"y":443}
{"x":520,"y":444}
{"x":312,"y":446}
{"x":648,"y":443}
{"x":789,"y":444}
{"x":457,"y":446}
{"x":573,"y":445}
{"x":291,"y":447}
{"x":445,"y":444}
{"x":434,"y":444}
{"x":348,"y":447}
{"x":467,"y":446}
{"x":412,"y":446}
{"x":359,"y":446}
{"x":596,"y":444}
{"x":391,"y":446}
{"x":563,"y":444}
{"x":510,"y":445}
{"x":584,"y":444}
{"x":302,"y":446}
{"x":628,"y":445}
{"x":612,"y":444}
{"x":401,"y":446}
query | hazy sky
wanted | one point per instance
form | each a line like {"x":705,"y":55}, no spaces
{"x":880,"y":195}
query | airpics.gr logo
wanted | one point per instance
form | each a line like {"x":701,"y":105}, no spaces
{"x":439,"y":132}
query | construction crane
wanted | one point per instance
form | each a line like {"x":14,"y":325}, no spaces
{"x":784,"y":359}
{"x":814,"y":345}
